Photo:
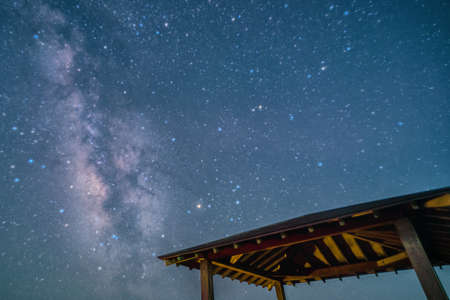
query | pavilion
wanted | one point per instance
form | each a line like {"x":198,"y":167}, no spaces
{"x":410,"y":231}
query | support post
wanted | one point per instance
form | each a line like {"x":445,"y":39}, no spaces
{"x":206,"y":280}
{"x":419,"y":260}
{"x":279,"y":288}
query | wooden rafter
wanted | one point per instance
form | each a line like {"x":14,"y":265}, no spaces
{"x":244,"y":277}
{"x":236,"y":275}
{"x":387,"y":240}
{"x":358,"y":236}
{"x":334,"y":248}
{"x":271,"y":257}
{"x":181,"y":259}
{"x":253,"y":279}
{"x":241,"y":270}
{"x":378,"y":249}
{"x":442,"y":201}
{"x":353,"y":244}
{"x":226,"y":273}
{"x":234,"y":259}
{"x":276,"y":262}
{"x":298,"y":238}
{"x":247,"y":256}
{"x":319,"y":255}
{"x":261,"y":256}
{"x":391,"y":259}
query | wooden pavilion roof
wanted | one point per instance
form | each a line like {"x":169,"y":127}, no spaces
{"x":350,"y":241}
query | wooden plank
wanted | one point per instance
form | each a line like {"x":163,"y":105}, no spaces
{"x":240,"y":270}
{"x":442,"y":201}
{"x":363,"y":213}
{"x":206,"y":280}
{"x":381,"y":244}
{"x":236,"y":275}
{"x":334,"y":248}
{"x":279,"y":289}
{"x":260,"y":257}
{"x":271,"y":257}
{"x":391,"y":259}
{"x":427,"y":276}
{"x":235,"y":258}
{"x":226,"y":273}
{"x":356,"y":250}
{"x":247,"y":256}
{"x":253,"y":279}
{"x":277,"y":261}
{"x":378,"y":249}
{"x":180,"y":259}
{"x":259,"y":281}
{"x":319,"y":255}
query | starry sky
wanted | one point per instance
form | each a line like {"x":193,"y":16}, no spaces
{"x":130,"y":129}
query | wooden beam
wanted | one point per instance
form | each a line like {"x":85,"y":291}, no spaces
{"x":252,"y":279}
{"x":261,"y":256}
{"x":442,"y":201}
{"x":180,"y":259}
{"x":236,"y":275}
{"x":389,"y":240}
{"x":247,"y":256}
{"x":279,"y":289}
{"x":372,"y":242}
{"x":334,"y":248}
{"x":335,"y":271}
{"x":216,"y":270}
{"x":351,"y":242}
{"x":327,"y":229}
{"x":235,"y":258}
{"x":206,"y":280}
{"x":271,"y":257}
{"x":351,"y":269}
{"x":260,"y":281}
{"x":240,"y":270}
{"x":427,"y":276}
{"x":363,"y":213}
{"x":276,"y":262}
{"x":226,"y":273}
{"x":391,"y":259}
{"x":319,"y":255}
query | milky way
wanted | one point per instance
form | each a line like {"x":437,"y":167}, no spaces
{"x":130,"y":129}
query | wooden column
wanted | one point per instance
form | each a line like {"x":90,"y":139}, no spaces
{"x":206,"y":280}
{"x":419,"y":260}
{"x":280,"y":291}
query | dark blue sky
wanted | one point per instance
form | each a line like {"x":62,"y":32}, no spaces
{"x":134,"y":128}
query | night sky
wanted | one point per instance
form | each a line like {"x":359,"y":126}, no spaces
{"x":130,"y":129}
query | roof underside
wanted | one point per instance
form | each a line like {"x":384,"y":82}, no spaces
{"x":350,"y":241}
